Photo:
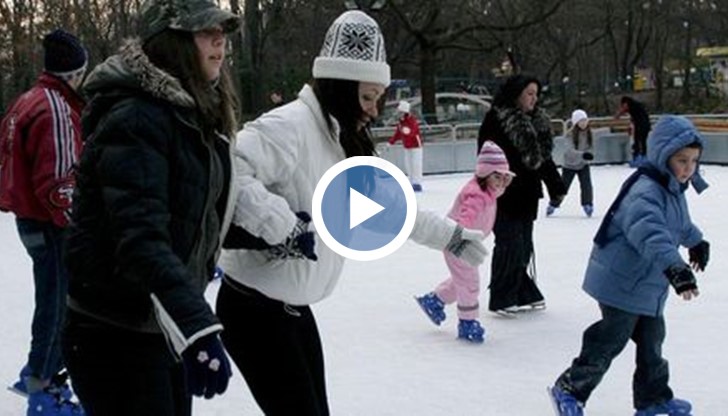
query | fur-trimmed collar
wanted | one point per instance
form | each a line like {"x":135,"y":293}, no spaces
{"x":131,"y":69}
{"x":530,"y":133}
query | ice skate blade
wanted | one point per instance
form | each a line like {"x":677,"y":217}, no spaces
{"x":20,"y":393}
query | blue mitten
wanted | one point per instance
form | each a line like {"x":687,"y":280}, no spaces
{"x":207,"y":367}
{"x":300,"y":242}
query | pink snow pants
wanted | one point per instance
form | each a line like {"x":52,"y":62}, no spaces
{"x":462,"y":287}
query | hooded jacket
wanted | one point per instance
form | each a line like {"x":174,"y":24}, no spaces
{"x":641,"y":241}
{"x":153,"y":198}
{"x":40,"y":142}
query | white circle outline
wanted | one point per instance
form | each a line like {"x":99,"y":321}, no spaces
{"x":364,"y":255}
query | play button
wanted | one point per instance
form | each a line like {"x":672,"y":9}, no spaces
{"x":364,"y":208}
{"x":361,"y":208}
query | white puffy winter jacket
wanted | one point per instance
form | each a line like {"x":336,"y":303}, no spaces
{"x":279,"y":159}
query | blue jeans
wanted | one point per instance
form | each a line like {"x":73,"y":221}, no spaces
{"x":43,"y":241}
{"x":604,"y":340}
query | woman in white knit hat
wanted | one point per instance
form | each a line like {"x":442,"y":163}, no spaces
{"x":270,"y":331}
{"x":578,"y":154}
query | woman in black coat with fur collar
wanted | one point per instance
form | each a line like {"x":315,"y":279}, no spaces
{"x":523,"y":131}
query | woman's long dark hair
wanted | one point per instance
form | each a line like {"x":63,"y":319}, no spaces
{"x":509,"y":92}
{"x":575,"y":135}
{"x":175,"y":52}
{"x":340,"y":99}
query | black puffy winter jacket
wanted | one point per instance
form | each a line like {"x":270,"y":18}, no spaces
{"x":150,"y":204}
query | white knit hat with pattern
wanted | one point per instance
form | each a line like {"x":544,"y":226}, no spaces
{"x":353,"y":50}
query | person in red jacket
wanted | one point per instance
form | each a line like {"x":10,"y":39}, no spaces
{"x":408,"y":130}
{"x":40,"y":142}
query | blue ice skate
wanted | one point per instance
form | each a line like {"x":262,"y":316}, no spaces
{"x":637,"y":161}
{"x":50,"y":403}
{"x":59,"y":384}
{"x":20,"y":387}
{"x":470,"y":330}
{"x":433,"y":307}
{"x":550,"y":209}
{"x":588,"y":210}
{"x":564,"y":403}
{"x":674,"y":407}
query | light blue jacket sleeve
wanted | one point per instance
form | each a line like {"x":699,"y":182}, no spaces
{"x":646,"y":226}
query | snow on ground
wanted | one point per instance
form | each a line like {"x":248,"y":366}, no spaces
{"x":383,"y":357}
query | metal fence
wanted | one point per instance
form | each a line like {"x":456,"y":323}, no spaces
{"x":452,"y":147}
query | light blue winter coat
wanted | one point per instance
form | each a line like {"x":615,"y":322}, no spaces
{"x":646,"y":230}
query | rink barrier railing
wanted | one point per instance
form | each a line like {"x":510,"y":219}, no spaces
{"x":451,"y":147}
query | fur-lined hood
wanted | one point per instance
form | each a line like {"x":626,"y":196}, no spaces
{"x":530,"y":133}
{"x":131,"y":71}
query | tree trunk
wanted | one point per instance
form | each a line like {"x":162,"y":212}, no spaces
{"x":237,"y":56}
{"x":428,"y":83}
{"x":253,"y":79}
{"x":686,"y":93}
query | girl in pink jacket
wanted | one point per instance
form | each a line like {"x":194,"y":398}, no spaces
{"x":474,"y":207}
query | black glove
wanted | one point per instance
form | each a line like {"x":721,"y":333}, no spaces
{"x":700,"y":254}
{"x":588,"y":156}
{"x":681,"y":278}
{"x":300,"y":242}
{"x":207,"y":367}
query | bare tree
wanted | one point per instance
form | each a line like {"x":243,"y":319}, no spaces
{"x":588,"y":43}
{"x":465,"y":26}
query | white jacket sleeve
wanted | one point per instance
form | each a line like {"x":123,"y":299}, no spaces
{"x":432,"y":231}
{"x":264,"y":156}
{"x":440,"y":233}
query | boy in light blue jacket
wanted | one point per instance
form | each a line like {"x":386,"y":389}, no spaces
{"x":634,"y":261}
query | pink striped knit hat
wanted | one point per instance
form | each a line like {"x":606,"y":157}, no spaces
{"x":491,"y":159}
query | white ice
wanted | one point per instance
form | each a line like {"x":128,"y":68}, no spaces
{"x":383,"y":357}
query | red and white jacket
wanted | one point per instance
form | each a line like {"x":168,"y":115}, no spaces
{"x":40,"y":142}
{"x":408,"y":130}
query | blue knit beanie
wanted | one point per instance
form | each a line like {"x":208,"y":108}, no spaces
{"x":64,"y":53}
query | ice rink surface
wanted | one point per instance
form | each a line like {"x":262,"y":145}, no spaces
{"x":384,"y":358}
